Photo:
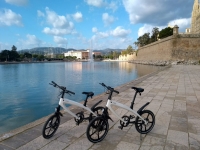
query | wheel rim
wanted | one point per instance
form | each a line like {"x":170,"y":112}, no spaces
{"x":140,"y":125}
{"x":97,"y":130}
{"x":51,"y":127}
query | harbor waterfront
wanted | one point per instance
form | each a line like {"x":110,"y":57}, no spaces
{"x":26,"y":95}
{"x":174,"y":97}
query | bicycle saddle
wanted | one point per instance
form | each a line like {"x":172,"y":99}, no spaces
{"x":88,"y":93}
{"x":140,"y":90}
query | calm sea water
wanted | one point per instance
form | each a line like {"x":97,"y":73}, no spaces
{"x":25,"y":93}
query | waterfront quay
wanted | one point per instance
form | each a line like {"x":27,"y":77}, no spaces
{"x":174,"y":96}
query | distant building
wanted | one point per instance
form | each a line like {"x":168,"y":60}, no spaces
{"x":78,"y":54}
{"x":96,"y":53}
{"x":195,"y":22}
{"x":81,"y":54}
{"x":187,"y":30}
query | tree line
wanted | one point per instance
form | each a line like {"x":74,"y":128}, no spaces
{"x":155,"y":36}
{"x":13,"y":55}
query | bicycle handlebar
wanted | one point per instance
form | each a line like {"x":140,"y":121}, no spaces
{"x":61,"y":87}
{"x":109,"y":88}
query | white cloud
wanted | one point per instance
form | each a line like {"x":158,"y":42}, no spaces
{"x":17,"y":2}
{"x":40,"y":14}
{"x":78,"y":16}
{"x":120,"y":32}
{"x":157,"y":12}
{"x":56,"y":31}
{"x":94,"y":30}
{"x":182,"y":23}
{"x":9,"y":18}
{"x":30,"y":41}
{"x":60,"y":24}
{"x":113,"y":5}
{"x":147,"y":28}
{"x":116,"y":38}
{"x":96,"y":3}
{"x":103,"y":34}
{"x":60,"y":40}
{"x":103,"y":3}
{"x":107,"y":19}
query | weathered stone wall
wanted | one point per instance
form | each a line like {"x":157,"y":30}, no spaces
{"x":160,"y":50}
{"x":186,"y":46}
{"x":177,"y":47}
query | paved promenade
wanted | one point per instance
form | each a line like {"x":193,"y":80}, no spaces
{"x":174,"y":96}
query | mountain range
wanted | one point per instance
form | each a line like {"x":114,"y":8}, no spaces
{"x":60,"y":50}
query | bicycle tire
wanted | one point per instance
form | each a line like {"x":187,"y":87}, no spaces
{"x":52,"y":123}
{"x":97,"y":111}
{"x":140,"y":125}
{"x":99,"y":124}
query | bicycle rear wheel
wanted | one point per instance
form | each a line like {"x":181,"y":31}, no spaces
{"x":97,"y":129}
{"x":50,"y":126}
{"x":140,"y":124}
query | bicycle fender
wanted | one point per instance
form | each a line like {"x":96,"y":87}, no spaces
{"x":108,"y":117}
{"x":140,"y":110}
{"x":93,"y":107}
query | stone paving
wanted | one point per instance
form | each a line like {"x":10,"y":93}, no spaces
{"x":174,"y":96}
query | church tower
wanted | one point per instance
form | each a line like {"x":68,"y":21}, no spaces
{"x":195,"y":14}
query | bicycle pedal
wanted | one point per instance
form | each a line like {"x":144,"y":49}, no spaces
{"x":120,"y":127}
{"x":131,"y":116}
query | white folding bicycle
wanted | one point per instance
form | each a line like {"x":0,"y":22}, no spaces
{"x":52,"y":124}
{"x":98,"y":127}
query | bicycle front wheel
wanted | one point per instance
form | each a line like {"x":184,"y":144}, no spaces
{"x":98,"y":111}
{"x":51,"y":126}
{"x":140,"y":125}
{"x":97,"y":129}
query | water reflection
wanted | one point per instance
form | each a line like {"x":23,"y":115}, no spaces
{"x":26,"y":95}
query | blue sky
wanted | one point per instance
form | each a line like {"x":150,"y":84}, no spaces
{"x":82,"y":24}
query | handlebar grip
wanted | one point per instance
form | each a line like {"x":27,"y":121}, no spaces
{"x":116,"y":92}
{"x":102,"y":84}
{"x":53,"y":82}
{"x":71,"y":92}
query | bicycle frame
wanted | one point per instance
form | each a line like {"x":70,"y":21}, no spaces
{"x":64,"y":101}
{"x":111,"y":102}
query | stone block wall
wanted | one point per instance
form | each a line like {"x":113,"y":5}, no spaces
{"x":160,"y":50}
{"x":176,"y":47}
{"x":186,"y":46}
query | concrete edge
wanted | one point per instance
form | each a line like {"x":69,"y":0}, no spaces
{"x":16,"y":131}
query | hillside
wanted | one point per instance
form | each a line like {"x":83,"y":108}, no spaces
{"x":59,"y":50}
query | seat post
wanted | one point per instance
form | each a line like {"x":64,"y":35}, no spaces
{"x":132,"y":103}
{"x":86,"y":100}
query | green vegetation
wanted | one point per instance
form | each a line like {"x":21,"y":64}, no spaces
{"x":156,"y":34}
{"x":165,"y":33}
{"x":7,"y":55}
{"x":112,"y":55}
{"x":13,"y":55}
{"x":129,"y":51}
{"x":70,"y":58}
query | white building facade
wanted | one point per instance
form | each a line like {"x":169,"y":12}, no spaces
{"x":78,"y":54}
{"x":81,"y":54}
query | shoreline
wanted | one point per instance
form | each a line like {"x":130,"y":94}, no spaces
{"x":40,"y":121}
